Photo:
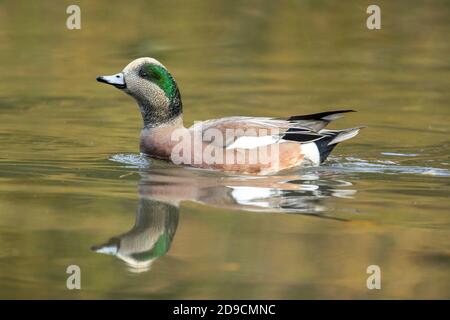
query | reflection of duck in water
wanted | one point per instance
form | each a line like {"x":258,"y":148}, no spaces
{"x":161,"y":191}
{"x":150,"y":237}
{"x":304,"y":193}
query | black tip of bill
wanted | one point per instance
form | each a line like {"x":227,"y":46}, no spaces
{"x":101,"y":79}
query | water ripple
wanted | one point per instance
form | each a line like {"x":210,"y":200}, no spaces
{"x":136,"y":161}
{"x":347,"y":164}
{"x":351,"y":164}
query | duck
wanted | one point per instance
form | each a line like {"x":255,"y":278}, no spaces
{"x":236,"y":144}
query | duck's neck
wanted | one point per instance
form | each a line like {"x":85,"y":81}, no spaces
{"x":161,"y":110}
{"x":157,"y":140}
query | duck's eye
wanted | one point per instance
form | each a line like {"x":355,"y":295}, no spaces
{"x":143,"y":73}
{"x":148,"y":72}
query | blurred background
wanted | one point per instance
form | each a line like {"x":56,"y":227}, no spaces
{"x":72,"y":182}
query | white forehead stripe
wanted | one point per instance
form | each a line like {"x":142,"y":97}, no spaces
{"x":139,"y":61}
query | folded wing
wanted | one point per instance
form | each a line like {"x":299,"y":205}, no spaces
{"x":252,"y":132}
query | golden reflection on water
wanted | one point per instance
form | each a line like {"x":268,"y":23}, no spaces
{"x":382,"y":199}
{"x":160,"y":196}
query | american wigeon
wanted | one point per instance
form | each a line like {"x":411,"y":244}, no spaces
{"x":252,"y":145}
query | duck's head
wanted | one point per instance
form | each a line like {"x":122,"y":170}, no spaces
{"x":149,"y":239}
{"x":153,"y":87}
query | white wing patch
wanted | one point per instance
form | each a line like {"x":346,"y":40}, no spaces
{"x":256,"y":196}
{"x":251,"y":142}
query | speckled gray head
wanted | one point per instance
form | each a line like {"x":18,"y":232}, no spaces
{"x":153,"y":87}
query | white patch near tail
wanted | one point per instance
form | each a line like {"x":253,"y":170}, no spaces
{"x":345,"y":135}
{"x":311,"y":153}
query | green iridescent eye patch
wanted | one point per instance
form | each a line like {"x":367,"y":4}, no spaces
{"x":159,"y":76}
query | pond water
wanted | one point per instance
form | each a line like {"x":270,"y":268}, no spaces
{"x":74,"y":189}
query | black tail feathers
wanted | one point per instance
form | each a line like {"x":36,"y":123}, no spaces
{"x":324,"y":116}
{"x":324,"y":147}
